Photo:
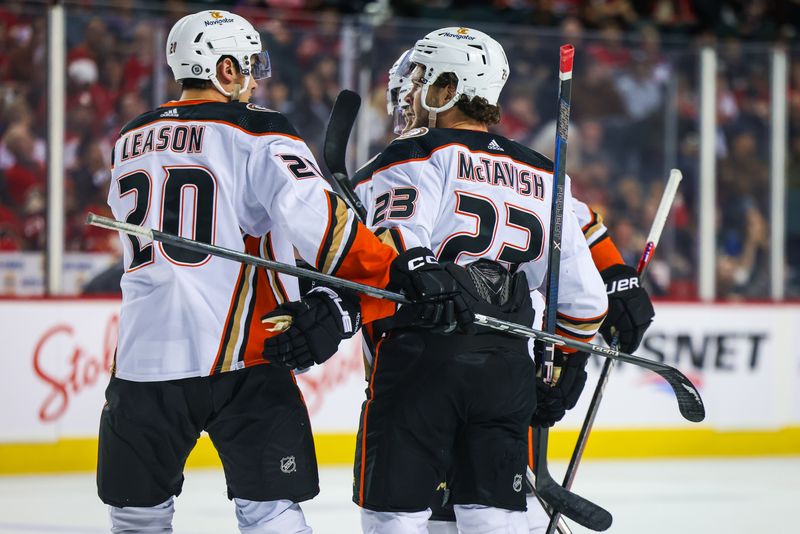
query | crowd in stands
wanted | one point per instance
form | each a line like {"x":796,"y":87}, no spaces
{"x":635,"y":106}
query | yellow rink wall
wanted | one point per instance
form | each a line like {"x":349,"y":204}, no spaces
{"x":80,"y":455}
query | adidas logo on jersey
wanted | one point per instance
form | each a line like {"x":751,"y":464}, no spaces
{"x":494,"y":146}
{"x":170,"y":113}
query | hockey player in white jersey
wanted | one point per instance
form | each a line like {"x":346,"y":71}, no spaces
{"x":630,"y":309}
{"x":197,"y":332}
{"x":454,"y":192}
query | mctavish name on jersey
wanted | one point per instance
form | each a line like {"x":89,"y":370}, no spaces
{"x":178,"y":138}
{"x":500,"y":173}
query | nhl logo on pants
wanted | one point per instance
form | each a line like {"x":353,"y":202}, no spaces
{"x":289,"y":466}
{"x":517,"y":483}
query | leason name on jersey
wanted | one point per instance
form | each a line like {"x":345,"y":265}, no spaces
{"x":500,"y":173}
{"x":160,"y":137}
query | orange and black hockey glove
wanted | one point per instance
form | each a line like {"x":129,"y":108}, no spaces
{"x":312,"y":327}
{"x":630,"y":311}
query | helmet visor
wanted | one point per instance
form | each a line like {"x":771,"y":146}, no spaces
{"x":406,"y":67}
{"x":261,"y":67}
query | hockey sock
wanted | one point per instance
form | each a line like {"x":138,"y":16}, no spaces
{"x":270,"y":517}
{"x":394,"y":522}
{"x":478,"y":519}
{"x":142,"y":519}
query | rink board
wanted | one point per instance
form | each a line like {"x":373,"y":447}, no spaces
{"x":743,"y":358}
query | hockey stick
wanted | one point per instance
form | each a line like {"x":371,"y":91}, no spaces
{"x":689,"y":402}
{"x":559,"y":499}
{"x":653,"y":238}
{"x":343,"y":117}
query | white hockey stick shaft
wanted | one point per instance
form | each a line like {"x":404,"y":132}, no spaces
{"x":653,"y":237}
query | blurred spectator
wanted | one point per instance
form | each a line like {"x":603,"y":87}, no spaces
{"x":23,"y":166}
{"x":636,"y":61}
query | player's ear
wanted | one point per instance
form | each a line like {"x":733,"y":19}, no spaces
{"x":451,"y":92}
{"x":226,"y":71}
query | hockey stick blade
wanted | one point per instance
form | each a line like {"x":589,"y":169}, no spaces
{"x":690,"y":404}
{"x":343,"y":117}
{"x":572,"y":505}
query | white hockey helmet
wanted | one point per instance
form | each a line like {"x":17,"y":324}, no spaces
{"x":477,"y":60}
{"x":399,"y":86}
{"x":196,"y":42}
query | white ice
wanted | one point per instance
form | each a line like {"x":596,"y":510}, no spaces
{"x":654,"y":497}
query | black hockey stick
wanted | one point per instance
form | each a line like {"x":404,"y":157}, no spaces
{"x":560,"y":499}
{"x":343,"y":117}
{"x":689,"y":402}
{"x":591,"y":414}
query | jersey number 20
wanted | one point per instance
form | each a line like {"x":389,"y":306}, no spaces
{"x":178,"y":182}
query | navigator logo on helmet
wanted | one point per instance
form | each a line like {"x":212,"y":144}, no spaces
{"x":399,"y":86}
{"x":479,"y":63}
{"x":197,"y":42}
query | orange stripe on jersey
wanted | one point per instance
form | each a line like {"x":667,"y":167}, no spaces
{"x":571,"y":335}
{"x":530,"y":447}
{"x":173,"y":103}
{"x":367,"y":262}
{"x":471,"y":151}
{"x":266,"y":301}
{"x":605,"y":254}
{"x":364,"y":426}
{"x":173,"y":119}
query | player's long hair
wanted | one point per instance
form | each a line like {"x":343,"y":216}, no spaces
{"x":477,"y":108}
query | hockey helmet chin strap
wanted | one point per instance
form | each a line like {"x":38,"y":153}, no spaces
{"x":233,"y":95}
{"x":433,"y":112}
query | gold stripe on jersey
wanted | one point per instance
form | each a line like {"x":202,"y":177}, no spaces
{"x":247,"y":322}
{"x":391,"y":237}
{"x":579,"y":328}
{"x":594,"y":226}
{"x":329,"y":251}
{"x":226,"y":331}
{"x":274,"y":282}
{"x":236,"y":320}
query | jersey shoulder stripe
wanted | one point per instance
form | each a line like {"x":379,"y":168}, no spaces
{"x":422,"y":147}
{"x":364,"y":173}
{"x":251,"y":119}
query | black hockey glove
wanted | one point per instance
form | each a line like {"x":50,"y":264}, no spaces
{"x":630,"y":311}
{"x":437,"y":300}
{"x":312,"y":327}
{"x":553,"y":400}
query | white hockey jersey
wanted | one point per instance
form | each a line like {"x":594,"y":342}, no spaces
{"x":238,"y":176}
{"x":604,"y":252}
{"x":468,"y":195}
